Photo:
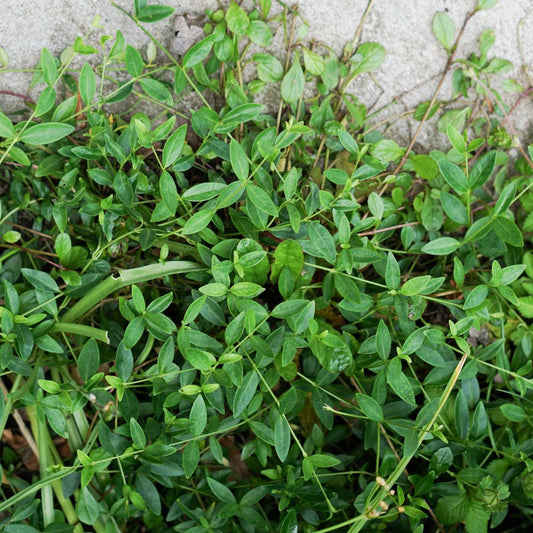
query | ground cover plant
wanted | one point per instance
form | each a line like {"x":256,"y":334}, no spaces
{"x":215,"y":318}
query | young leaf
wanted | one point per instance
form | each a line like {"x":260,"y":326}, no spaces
{"x":444,"y":30}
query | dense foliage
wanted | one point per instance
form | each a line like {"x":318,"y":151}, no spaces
{"x":229,"y":320}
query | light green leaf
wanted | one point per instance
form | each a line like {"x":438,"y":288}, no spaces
{"x":444,"y":30}
{"x":87,"y":84}
{"x":239,"y":160}
{"x":174,"y":146}
{"x":441,"y":246}
{"x":46,"y":133}
{"x":292,"y":85}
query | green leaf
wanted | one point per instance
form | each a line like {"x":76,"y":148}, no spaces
{"x":348,"y":142}
{"x":456,"y":138}
{"x":482,"y":170}
{"x":288,"y":308}
{"x":322,"y":241}
{"x":236,"y":19}
{"x":200,"y":359}
{"x":506,"y":198}
{"x":169,"y":192}
{"x":154,"y":13}
{"x":415,"y":286}
{"x":87,"y":84}
{"x":134,"y":331}
{"x":525,"y":306}
{"x":383,"y":340}
{"x":239,"y":160}
{"x":174,"y":146}
{"x":461,"y":415}
{"x":477,"y":517}
{"x":314,"y":64}
{"x":261,"y":199}
{"x":245,"y":393}
{"x":513,"y":412}
{"x":246,"y":289}
{"x":198,"y":52}
{"x":399,"y":383}
{"x":370,"y":407}
{"x":190,"y":458}
{"x":368,"y":57}
{"x":198,"y":416}
{"x":198,"y":221}
{"x":444,"y":30}
{"x":220,"y":491}
{"x":288,"y":254}
{"x":46,"y":133}
{"x":508,"y":231}
{"x":48,"y":64}
{"x":293,"y":83}
{"x":40,"y":280}
{"x":486,"y":4}
{"x":134,"y":62}
{"x":137,"y":434}
{"x":269,"y":68}
{"x":259,"y":33}
{"x":282,"y":438}
{"x":155,"y":89}
{"x":441,"y":246}
{"x":7,"y":129}
{"x":89,"y":360}
{"x":347,"y":288}
{"x":321,"y":460}
{"x":392,"y":272}
{"x":87,"y":508}
{"x":243,"y":113}
{"x":454,"y":208}
{"x":454,"y":176}
{"x":476,"y":297}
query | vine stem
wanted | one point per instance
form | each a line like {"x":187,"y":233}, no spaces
{"x":433,"y":99}
{"x":125,"y":278}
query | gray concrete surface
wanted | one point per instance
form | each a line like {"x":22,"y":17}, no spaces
{"x":414,"y":57}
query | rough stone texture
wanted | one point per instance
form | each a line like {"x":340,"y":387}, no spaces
{"x":414,"y":57}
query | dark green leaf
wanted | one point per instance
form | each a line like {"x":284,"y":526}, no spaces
{"x":89,"y":359}
{"x":370,"y":407}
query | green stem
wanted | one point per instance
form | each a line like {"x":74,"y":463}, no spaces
{"x":125,"y":278}
{"x":40,"y":435}
{"x":381,"y":492}
{"x":80,"y":329}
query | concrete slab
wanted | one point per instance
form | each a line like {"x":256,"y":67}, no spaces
{"x":413,"y":63}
